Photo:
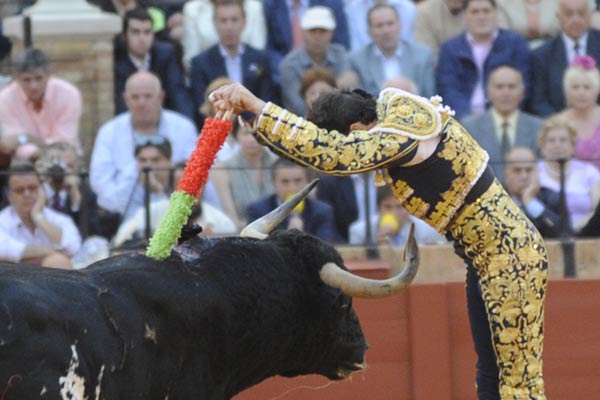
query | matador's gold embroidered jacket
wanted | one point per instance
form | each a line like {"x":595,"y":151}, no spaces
{"x":453,"y":191}
{"x":432,"y":191}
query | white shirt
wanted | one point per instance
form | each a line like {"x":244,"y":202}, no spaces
{"x":211,"y":220}
{"x":141,"y":65}
{"x":512,"y":125}
{"x":113,"y":170}
{"x":199,"y":29}
{"x":15,"y":236}
{"x":392,"y":68}
{"x":570,"y":46}
{"x":233,"y":65}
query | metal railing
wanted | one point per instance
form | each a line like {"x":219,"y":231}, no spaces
{"x":566,"y":236}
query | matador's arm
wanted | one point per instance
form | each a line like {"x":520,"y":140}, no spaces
{"x":404,"y":121}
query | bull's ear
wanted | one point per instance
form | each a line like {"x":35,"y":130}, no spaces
{"x":189,"y":231}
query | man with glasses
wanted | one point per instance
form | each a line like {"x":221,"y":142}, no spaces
{"x":113,"y":168}
{"x":30,"y":232}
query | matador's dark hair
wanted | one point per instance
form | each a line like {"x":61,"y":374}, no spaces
{"x":338,"y":109}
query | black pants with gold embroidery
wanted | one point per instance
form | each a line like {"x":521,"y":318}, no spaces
{"x":509,"y":260}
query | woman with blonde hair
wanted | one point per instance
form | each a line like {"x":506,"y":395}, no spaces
{"x":557,"y":140}
{"x":581,"y":85}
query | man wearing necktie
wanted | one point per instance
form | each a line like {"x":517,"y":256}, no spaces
{"x":549,"y":61}
{"x":503,"y":125}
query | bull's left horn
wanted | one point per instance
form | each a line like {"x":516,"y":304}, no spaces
{"x":356,"y":286}
{"x":261,"y":228}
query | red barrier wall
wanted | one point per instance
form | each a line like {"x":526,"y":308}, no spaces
{"x":420,"y":348}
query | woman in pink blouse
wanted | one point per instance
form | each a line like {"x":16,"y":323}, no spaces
{"x":581,"y":86}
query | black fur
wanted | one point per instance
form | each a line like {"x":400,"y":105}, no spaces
{"x":234,"y":313}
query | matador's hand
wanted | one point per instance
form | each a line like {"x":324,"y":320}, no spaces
{"x":236,"y":98}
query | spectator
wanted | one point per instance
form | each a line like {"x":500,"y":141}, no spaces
{"x":60,"y":166}
{"x":340,"y":194}
{"x":314,"y":82}
{"x":243,"y":178}
{"x":199,"y":31}
{"x":541,"y":205}
{"x":534,"y":19}
{"x":392,"y":222}
{"x":317,"y":26}
{"x":230,"y":57}
{"x":5,"y":48}
{"x":117,"y":6}
{"x":388,"y":57}
{"x":284,"y":32}
{"x":504,"y":125}
{"x":312,"y":216}
{"x":549,"y":62}
{"x":360,"y":35}
{"x":153,"y":161}
{"x":30,"y":232}
{"x":167,"y":19}
{"x":213,"y":221}
{"x":581,"y":84}
{"x":37,"y":108}
{"x":112,"y":168}
{"x":436,"y":21}
{"x":466,"y":61}
{"x":582,"y":180}
{"x":231,"y":145}
{"x":143,"y":52}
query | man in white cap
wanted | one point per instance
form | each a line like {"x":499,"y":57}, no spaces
{"x":318,"y":24}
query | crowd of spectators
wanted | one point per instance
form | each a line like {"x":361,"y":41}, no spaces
{"x":522,"y":76}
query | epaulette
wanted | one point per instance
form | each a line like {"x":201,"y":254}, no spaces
{"x":410,"y":115}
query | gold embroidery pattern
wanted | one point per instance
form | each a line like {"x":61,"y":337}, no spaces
{"x":468,"y":161}
{"x":413,"y":115}
{"x":325,"y":151}
{"x":511,"y":262}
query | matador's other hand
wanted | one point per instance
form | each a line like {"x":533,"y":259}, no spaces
{"x":237,"y":98}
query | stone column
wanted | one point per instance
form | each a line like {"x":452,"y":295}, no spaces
{"x":78,"y":38}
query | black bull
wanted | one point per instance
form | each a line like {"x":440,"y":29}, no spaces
{"x":216,"y":317}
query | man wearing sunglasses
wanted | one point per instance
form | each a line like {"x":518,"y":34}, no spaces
{"x":30,"y":232}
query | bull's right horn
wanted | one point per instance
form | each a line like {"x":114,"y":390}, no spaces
{"x":261,"y":228}
{"x":356,"y":286}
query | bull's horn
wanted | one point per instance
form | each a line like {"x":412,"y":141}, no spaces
{"x":261,"y":228}
{"x":356,"y":286}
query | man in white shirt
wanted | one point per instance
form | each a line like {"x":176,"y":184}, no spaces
{"x":30,"y":232}
{"x":113,"y":170}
